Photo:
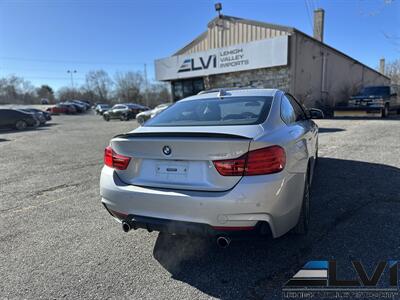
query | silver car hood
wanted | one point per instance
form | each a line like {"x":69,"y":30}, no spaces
{"x":248,"y":131}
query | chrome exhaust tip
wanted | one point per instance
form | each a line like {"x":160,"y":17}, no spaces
{"x":125,"y":226}
{"x":223,"y":242}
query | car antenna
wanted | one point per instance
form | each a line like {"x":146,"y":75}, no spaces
{"x":221,"y":93}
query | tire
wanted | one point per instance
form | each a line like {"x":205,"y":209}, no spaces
{"x":37,"y":124}
{"x":385,"y":111}
{"x":140,"y":120}
{"x":304,"y":219}
{"x":106,"y":118}
{"x":21,"y":125}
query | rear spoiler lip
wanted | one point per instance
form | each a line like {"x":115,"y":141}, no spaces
{"x":182,"y":134}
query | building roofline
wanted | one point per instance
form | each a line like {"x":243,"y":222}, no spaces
{"x":339,"y":52}
{"x":197,"y":39}
{"x":232,"y":19}
{"x":251,"y":22}
{"x":274,"y":26}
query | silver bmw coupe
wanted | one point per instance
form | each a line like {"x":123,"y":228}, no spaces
{"x":221,"y":163}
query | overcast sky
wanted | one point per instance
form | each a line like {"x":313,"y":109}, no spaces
{"x":40,"y":40}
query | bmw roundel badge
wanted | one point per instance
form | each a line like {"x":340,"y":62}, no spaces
{"x":166,"y":150}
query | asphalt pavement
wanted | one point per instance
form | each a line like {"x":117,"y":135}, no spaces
{"x":57,"y":241}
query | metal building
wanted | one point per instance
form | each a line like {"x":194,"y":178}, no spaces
{"x":236,"y":52}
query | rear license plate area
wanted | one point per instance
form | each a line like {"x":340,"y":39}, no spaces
{"x":172,"y":170}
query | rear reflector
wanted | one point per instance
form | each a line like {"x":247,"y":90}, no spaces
{"x":232,"y":228}
{"x":262,"y":161}
{"x":114,"y":160}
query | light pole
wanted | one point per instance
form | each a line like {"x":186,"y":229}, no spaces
{"x":72,"y":72}
{"x":218,"y":8}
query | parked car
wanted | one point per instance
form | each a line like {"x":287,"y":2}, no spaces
{"x":80,"y":108}
{"x":220,"y":163}
{"x":124,"y":112}
{"x":135,"y":109}
{"x":148,"y":114}
{"x":47,"y":115}
{"x":84,"y":103}
{"x":62,"y":108}
{"x":38,"y":114}
{"x":20,"y":120}
{"x":101,"y":108}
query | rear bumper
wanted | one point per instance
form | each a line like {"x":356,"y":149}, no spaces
{"x":191,"y":228}
{"x":358,"y":108}
{"x":273,"y":199}
{"x":358,"y":111}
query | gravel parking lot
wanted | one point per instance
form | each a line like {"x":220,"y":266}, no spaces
{"x":56,"y":239}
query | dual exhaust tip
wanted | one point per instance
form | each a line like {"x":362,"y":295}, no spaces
{"x":222,"y":241}
{"x":126,"y":227}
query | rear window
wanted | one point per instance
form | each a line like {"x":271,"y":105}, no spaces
{"x":215,"y":112}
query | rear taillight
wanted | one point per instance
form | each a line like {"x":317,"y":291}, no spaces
{"x":114,"y":160}
{"x":231,"y":167}
{"x":257,"y":162}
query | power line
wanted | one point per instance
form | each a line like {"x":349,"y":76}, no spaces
{"x":69,"y":61}
{"x":32,"y":70}
{"x":308,"y":14}
{"x":53,"y":78}
{"x":315,"y":4}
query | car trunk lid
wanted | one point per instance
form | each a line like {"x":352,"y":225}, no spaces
{"x":182,"y":159}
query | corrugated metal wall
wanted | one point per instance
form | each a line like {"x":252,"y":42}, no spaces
{"x":226,"y":33}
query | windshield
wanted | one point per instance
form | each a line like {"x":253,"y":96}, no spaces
{"x":215,"y":112}
{"x":375,"y":90}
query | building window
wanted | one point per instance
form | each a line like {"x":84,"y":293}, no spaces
{"x":185,"y":88}
{"x":177,"y":90}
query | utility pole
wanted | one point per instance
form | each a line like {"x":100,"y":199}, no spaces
{"x":72,"y":72}
{"x":145,"y":76}
{"x":145,"y":85}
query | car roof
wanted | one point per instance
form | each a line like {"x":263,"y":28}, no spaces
{"x":233,"y":92}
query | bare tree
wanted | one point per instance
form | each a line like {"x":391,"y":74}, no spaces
{"x":392,"y":70}
{"x":16,"y":90}
{"x":158,"y":93}
{"x":68,"y":93}
{"x":100,"y":84}
{"x":128,"y":87}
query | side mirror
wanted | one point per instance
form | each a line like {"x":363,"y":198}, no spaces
{"x":315,"y":113}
